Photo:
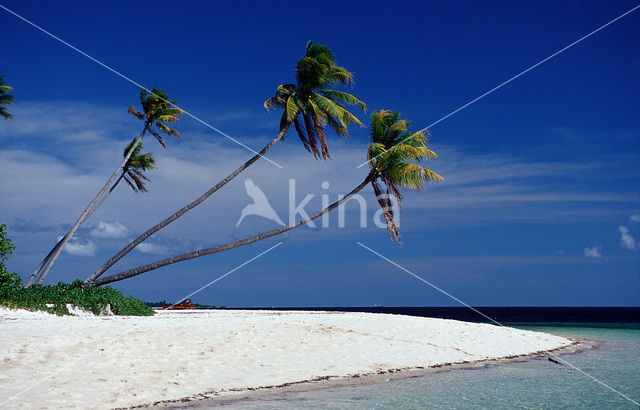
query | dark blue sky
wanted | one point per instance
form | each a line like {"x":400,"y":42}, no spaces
{"x":540,"y":175}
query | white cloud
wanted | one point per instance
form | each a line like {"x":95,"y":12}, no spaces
{"x":519,"y":187}
{"x":635,"y":218}
{"x":109,"y":230}
{"x":593,"y":252}
{"x":79,"y":247}
{"x":153,"y":249}
{"x":626,"y":240}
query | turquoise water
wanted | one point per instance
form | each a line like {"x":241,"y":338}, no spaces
{"x":533,"y":384}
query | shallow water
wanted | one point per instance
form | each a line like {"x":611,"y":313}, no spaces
{"x":532,"y":384}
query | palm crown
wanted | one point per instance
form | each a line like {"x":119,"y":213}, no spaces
{"x":391,"y":155}
{"x":158,"y":111}
{"x":137,"y":163}
{"x":311,"y":100}
{"x":5,"y":98}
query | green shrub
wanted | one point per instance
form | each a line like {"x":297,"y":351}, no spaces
{"x":93,"y":299}
{"x":6,"y":249}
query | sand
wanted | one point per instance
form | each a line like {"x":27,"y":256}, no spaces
{"x":106,"y":362}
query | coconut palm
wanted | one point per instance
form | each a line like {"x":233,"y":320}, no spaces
{"x":312,"y":102}
{"x":393,"y":154}
{"x":157,"y":111}
{"x":132,"y":173}
{"x":390,"y":157}
{"x":311,"y":98}
{"x":5,"y":98}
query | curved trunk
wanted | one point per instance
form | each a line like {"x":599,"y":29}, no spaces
{"x":186,"y":208}
{"x":225,"y":247}
{"x":57,"y":245}
{"x":90,"y":208}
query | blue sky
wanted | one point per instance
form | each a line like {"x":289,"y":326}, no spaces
{"x":540,"y":175}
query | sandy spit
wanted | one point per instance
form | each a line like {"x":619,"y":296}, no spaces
{"x":112,"y":362}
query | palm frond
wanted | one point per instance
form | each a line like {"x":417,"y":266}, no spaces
{"x":337,"y":127}
{"x":291,"y":109}
{"x":311,"y":135}
{"x":320,"y":52}
{"x":334,"y":109}
{"x":171,"y":111}
{"x":405,"y":152}
{"x":137,"y":160}
{"x":375,"y":151}
{"x":135,"y":113}
{"x":339,"y":76}
{"x":137,"y":179}
{"x":319,"y":129}
{"x":273,"y":103}
{"x":6,"y":115}
{"x":131,"y":184}
{"x":174,"y":132}
{"x":412,"y":176}
{"x":391,"y":187}
{"x":5,"y":98}
{"x":167,"y":118}
{"x":301,"y":133}
{"x":346,"y":98}
{"x":158,"y":95}
{"x":158,"y":137}
{"x":168,"y":130}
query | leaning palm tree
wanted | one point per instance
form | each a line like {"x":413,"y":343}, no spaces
{"x":157,"y":111}
{"x":312,"y":102}
{"x":392,"y":156}
{"x":5,"y":98}
{"x":310,"y":98}
{"x":132,"y":173}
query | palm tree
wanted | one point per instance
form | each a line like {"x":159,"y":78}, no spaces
{"x":311,"y":102}
{"x":132,"y":173}
{"x":157,"y":111}
{"x":393,"y":154}
{"x":5,"y":98}
{"x":390,"y":157}
{"x":318,"y":106}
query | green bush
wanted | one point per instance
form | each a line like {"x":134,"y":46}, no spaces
{"x":93,"y":299}
{"x":6,"y":249}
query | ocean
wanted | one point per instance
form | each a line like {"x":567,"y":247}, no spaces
{"x":531,"y":384}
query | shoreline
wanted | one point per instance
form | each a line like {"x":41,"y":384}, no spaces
{"x":229,"y":397}
{"x":181,"y":356}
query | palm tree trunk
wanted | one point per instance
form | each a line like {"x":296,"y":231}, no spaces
{"x":57,"y":245}
{"x":231,"y":245}
{"x":90,"y":208}
{"x":106,"y":195}
{"x":185,"y":209}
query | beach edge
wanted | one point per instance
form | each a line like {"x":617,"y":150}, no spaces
{"x":230,"y":396}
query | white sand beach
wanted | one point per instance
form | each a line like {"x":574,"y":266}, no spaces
{"x":107,"y":362}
